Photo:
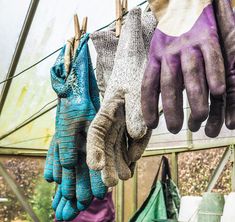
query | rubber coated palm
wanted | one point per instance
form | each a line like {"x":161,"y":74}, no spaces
{"x":181,"y":55}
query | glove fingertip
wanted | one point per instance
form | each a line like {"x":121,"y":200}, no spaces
{"x":193,"y":125}
{"x":70,"y":211}
{"x":59,"y":209}
{"x":213,"y":127}
{"x":151,"y":121}
{"x":96,"y":159}
{"x":109,"y":179}
{"x":81,"y":206}
{"x":212,"y":130}
{"x":125,"y":174}
{"x":230,"y":119}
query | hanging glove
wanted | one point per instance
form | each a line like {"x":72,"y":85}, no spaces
{"x":181,"y":55}
{"x":53,"y":169}
{"x":48,"y":169}
{"x":106,"y":43}
{"x":86,"y":182}
{"x":123,"y":88}
{"x":76,"y":109}
{"x":215,"y":120}
{"x":137,"y":147}
{"x":68,"y":184}
{"x":226,"y":26}
{"x":59,"y":209}
{"x":66,"y":210}
{"x":57,"y":198}
{"x":70,"y":210}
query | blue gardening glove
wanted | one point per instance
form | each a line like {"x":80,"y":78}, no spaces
{"x":59,"y":209}
{"x":90,"y":177}
{"x":57,"y":198}
{"x":66,"y":210}
{"x":48,"y":169}
{"x":76,"y":110}
{"x":68,"y":185}
{"x":70,"y":210}
{"x":57,"y":168}
{"x":87,"y":183}
{"x":53,"y":169}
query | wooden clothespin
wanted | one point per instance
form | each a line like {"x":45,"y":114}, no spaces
{"x":84,"y":25}
{"x":124,"y":6}
{"x":118,"y":17}
{"x":77,"y":32}
{"x":121,"y":8}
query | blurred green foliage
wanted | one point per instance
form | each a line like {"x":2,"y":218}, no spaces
{"x":42,"y":199}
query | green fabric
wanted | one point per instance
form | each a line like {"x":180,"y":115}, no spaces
{"x":154,"y":206}
{"x":163,"y":201}
{"x":172,"y":199}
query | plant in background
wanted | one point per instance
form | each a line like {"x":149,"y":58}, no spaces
{"x":41,"y":200}
{"x":26,"y":172}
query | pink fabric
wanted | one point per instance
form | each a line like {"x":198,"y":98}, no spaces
{"x":98,"y":211}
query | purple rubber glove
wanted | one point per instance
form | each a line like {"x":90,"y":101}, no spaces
{"x":182,"y":56}
{"x":215,"y":120}
{"x":226,"y":26}
{"x":226,"y":29}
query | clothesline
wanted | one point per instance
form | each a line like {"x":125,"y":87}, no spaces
{"x":52,"y":53}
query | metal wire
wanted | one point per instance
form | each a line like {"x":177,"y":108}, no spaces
{"x":27,"y":140}
{"x":39,"y":111}
{"x":30,"y":67}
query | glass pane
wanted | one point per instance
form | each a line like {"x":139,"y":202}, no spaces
{"x":196,"y":168}
{"x":37,"y":134}
{"x":27,"y":173}
{"x":11,"y":20}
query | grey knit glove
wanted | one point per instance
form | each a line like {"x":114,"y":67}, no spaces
{"x":122,"y":97}
{"x":116,"y":163}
